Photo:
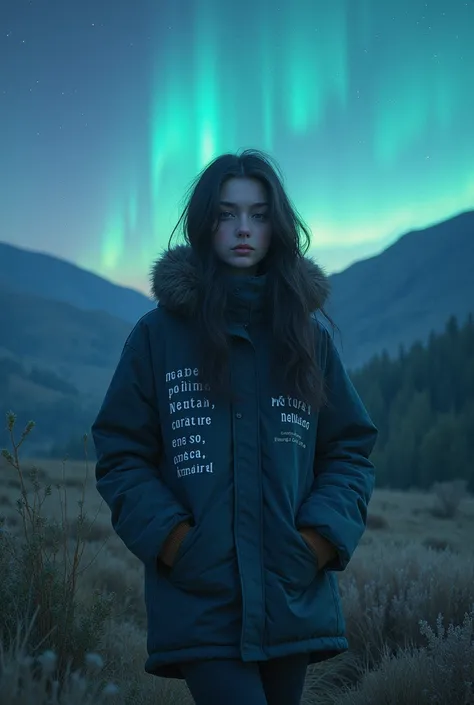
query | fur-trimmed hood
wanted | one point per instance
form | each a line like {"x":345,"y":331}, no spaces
{"x":174,"y":281}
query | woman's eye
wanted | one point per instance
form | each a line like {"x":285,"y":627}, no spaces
{"x":225,"y":215}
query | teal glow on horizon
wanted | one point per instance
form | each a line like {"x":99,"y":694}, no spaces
{"x":367,"y":106}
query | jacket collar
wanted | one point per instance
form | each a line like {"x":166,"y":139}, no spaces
{"x":175,"y":282}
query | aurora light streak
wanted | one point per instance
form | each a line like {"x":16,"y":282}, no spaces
{"x":109,"y":110}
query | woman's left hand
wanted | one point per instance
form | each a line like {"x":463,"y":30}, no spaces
{"x":323,"y":549}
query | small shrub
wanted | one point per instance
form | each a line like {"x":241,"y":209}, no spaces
{"x":28,"y":680}
{"x":376,"y":521}
{"x":42,"y":564}
{"x":389,"y":588}
{"x":325,"y":680}
{"x":449,"y":496}
{"x":124,"y":646}
{"x":440,"y":673}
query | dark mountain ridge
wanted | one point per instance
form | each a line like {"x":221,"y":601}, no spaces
{"x":39,"y":274}
{"x":407,"y":291}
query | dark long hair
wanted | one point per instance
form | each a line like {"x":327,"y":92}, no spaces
{"x":293,"y":330}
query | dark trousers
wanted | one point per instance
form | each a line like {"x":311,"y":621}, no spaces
{"x":232,"y":682}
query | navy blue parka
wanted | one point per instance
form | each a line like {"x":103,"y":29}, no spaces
{"x":247,"y":473}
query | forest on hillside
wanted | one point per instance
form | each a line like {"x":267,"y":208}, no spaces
{"x":423,"y":405}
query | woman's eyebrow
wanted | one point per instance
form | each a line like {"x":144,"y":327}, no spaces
{"x":229,"y":204}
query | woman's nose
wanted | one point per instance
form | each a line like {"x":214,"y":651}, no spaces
{"x":243,"y":229}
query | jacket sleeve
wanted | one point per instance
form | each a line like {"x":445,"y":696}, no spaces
{"x":127,"y":440}
{"x":344,"y":476}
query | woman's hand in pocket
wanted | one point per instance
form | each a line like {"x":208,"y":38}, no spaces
{"x":173,"y":542}
{"x":323,"y":550}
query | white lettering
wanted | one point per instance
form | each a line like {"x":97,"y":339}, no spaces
{"x":186,"y":456}
{"x":183,"y":382}
{"x":182,"y":472}
{"x":190,"y":421}
{"x":278,"y":401}
{"x":294,"y":418}
{"x":182,"y":374}
{"x":188,"y":404}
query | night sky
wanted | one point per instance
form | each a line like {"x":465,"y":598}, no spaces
{"x":109,"y":108}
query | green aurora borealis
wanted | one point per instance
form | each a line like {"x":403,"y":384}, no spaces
{"x":367,"y":106}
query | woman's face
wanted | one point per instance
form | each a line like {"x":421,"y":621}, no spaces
{"x":243,"y":234}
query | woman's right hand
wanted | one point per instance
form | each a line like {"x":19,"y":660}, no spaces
{"x":173,"y":542}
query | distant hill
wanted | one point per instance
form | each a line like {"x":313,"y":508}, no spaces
{"x":38,"y":274}
{"x":56,"y":406}
{"x":80,"y":346}
{"x":55,"y":364}
{"x":410,"y":289}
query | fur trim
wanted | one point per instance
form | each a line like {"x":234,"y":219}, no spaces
{"x":175,"y":281}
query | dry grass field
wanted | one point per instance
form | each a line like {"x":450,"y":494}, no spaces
{"x":411,"y":566}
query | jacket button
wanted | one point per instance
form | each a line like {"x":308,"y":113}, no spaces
{"x":238,"y":415}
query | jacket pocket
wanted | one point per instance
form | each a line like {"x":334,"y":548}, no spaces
{"x":202,"y":564}
{"x":305,"y":563}
{"x":292,"y":560}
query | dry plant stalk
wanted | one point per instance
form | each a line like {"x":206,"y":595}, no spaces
{"x":46,"y":562}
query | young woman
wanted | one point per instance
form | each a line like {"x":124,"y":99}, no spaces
{"x":233,"y":450}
